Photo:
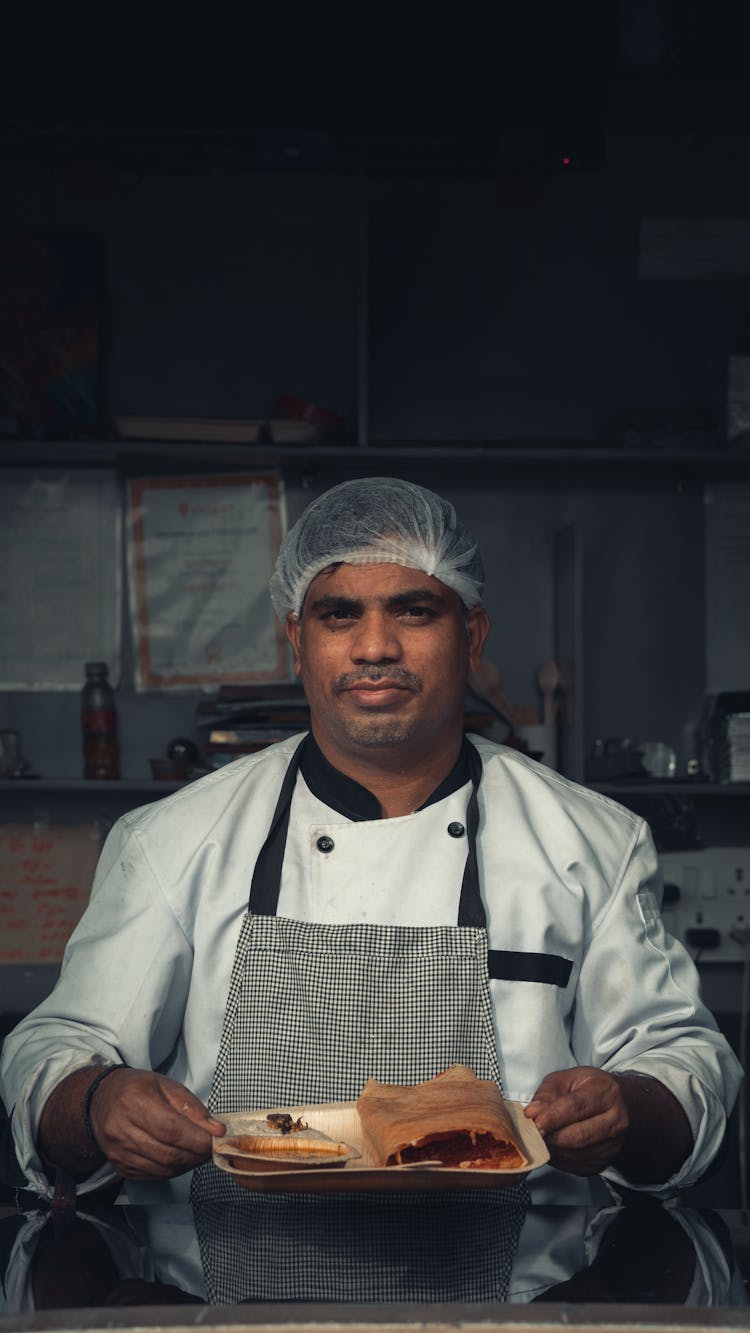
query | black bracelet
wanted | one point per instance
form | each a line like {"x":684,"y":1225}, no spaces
{"x":93,"y":1085}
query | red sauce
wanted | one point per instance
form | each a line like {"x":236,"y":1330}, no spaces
{"x":475,"y":1152}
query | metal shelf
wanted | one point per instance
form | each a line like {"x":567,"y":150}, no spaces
{"x":635,"y":788}
{"x":667,"y":788}
{"x":28,"y":786}
{"x":132,"y":456}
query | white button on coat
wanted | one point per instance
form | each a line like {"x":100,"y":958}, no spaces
{"x":392,"y":872}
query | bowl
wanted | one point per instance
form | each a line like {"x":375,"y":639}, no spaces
{"x":168,"y":770}
{"x":294,"y":432}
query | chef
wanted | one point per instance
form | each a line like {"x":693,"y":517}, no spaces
{"x":382,"y":897}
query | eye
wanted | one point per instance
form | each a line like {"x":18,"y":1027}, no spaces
{"x":338,"y":616}
{"x":417,"y":613}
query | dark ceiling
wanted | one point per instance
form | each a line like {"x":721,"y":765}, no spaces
{"x":549,"y":99}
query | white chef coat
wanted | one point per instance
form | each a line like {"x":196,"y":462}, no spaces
{"x":563,"y":871}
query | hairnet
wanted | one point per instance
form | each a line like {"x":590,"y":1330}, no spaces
{"x":377,"y":520}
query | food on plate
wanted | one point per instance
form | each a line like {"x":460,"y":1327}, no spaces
{"x":282,"y":1121}
{"x":279,"y":1141}
{"x":455,"y":1120}
{"x":306,"y":1140}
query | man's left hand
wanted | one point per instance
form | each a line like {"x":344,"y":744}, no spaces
{"x":591,"y":1119}
{"x":582,"y":1116}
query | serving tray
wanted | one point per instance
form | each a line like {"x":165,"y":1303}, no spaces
{"x":340,"y":1121}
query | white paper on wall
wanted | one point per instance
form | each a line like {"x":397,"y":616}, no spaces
{"x":201,"y":551}
{"x":680,"y":248}
{"x":727,"y":587}
{"x":738,"y":401}
{"x":60,"y":590}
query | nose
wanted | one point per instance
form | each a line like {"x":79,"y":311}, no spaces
{"x":376,"y":639}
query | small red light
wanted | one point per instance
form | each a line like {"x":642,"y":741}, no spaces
{"x":567,"y":161}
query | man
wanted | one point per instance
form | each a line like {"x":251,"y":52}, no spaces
{"x":381,"y":898}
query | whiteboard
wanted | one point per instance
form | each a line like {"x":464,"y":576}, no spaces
{"x":60,"y":591}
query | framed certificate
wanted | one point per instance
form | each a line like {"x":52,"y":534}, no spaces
{"x":201,"y":552}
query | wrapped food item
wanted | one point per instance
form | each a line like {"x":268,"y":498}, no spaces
{"x":455,"y":1120}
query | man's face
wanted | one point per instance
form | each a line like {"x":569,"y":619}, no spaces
{"x":383,"y":653}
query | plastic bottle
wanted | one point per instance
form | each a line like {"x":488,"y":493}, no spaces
{"x":99,"y":724}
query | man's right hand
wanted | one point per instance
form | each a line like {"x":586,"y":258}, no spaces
{"x":148,"y":1126}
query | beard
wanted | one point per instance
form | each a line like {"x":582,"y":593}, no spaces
{"x":378,"y":728}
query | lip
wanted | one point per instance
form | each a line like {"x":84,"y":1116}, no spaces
{"x":381,"y":695}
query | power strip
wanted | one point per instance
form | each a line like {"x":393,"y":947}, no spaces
{"x":707,"y":901}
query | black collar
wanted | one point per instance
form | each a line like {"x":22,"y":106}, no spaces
{"x":355,"y":802}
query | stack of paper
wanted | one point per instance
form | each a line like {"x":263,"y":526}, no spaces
{"x":738,"y":747}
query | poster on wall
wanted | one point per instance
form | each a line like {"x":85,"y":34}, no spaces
{"x":200,"y":553}
{"x":60,"y":590}
{"x":51,"y":312}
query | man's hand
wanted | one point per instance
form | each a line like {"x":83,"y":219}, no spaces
{"x":149,"y":1126}
{"x":591,"y":1119}
{"x":582,"y":1116}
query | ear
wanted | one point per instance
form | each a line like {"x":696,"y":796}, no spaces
{"x":293,"y":629}
{"x":477,"y":629}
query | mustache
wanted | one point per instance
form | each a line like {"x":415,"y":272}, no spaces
{"x":373,"y":674}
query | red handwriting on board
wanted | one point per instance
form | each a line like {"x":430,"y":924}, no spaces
{"x":45,"y":879}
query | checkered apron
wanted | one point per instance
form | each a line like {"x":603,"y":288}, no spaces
{"x":313,"y":1011}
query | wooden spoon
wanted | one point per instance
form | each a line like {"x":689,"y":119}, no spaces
{"x":548,"y":678}
{"x":487,"y":682}
{"x":567,"y":691}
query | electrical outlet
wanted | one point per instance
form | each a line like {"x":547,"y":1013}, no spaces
{"x":707,"y":901}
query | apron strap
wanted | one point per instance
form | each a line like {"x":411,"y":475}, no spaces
{"x":470,"y":906}
{"x":266,"y":881}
